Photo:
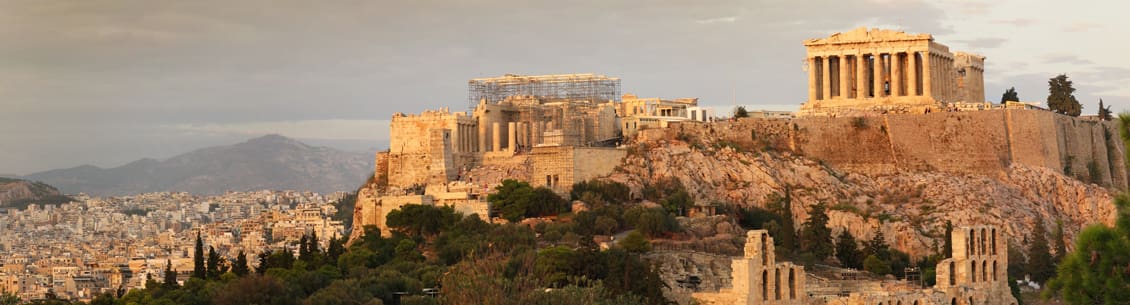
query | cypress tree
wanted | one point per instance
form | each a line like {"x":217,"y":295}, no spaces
{"x":1040,"y":262}
{"x":847,"y":251}
{"x":240,"y":267}
{"x":213,"y":264}
{"x":170,"y":275}
{"x":198,"y":269}
{"x":815,"y":236}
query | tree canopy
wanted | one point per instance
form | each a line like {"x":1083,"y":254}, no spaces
{"x":1010,"y":95}
{"x":1061,"y":96}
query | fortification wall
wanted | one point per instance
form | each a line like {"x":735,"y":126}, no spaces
{"x":974,"y":142}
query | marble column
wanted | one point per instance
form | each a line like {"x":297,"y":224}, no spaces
{"x":878,"y":72}
{"x":927,"y":75}
{"x":812,"y":78}
{"x":512,"y":136}
{"x":845,"y":77}
{"x":495,"y":140}
{"x":896,"y":75}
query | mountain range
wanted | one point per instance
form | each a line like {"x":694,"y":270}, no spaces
{"x":267,"y":162}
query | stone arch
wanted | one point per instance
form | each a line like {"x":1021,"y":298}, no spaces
{"x":994,"y":245}
{"x":984,"y":249}
{"x":969,"y":243}
{"x":792,"y":284}
{"x":953,"y":301}
{"x":973,"y":272}
{"x":777,"y":283}
{"x":970,"y":300}
{"x":984,"y":271}
{"x":899,"y":302}
{"x":994,"y":270}
{"x":915,"y":302}
{"x":765,"y":285}
{"x":953,"y":274}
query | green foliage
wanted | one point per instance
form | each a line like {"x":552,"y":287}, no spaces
{"x":170,"y":280}
{"x":344,"y":213}
{"x":1041,"y":265}
{"x":1060,"y":246}
{"x":198,"y":270}
{"x":816,"y":237}
{"x":876,"y":265}
{"x":515,"y":200}
{"x":1010,"y":95}
{"x":1096,"y":272}
{"x":847,"y":251}
{"x":240,"y":267}
{"x":651,"y":222}
{"x":419,"y":220}
{"x":741,"y":112}
{"x":606,"y":191}
{"x":1061,"y":96}
{"x":635,"y":243}
{"x":1104,"y":112}
{"x":670,"y":193}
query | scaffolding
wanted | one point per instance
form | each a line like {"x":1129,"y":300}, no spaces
{"x":591,"y":87}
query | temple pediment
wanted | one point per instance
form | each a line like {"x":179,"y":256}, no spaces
{"x":863,"y":34}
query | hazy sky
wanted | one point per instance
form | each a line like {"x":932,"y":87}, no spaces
{"x":108,"y":82}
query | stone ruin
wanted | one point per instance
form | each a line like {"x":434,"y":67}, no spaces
{"x":884,"y":71}
{"x":974,"y":275}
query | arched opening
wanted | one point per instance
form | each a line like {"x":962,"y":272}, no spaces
{"x":984,"y":249}
{"x":969,"y":243}
{"x":984,"y":271}
{"x":994,"y":246}
{"x":764,"y":249}
{"x":994,"y":270}
{"x":899,"y":303}
{"x":765,"y":285}
{"x":916,"y":302}
{"x":953,"y":301}
{"x":973,"y":272}
{"x":792,"y":284}
{"x":953,"y":272}
{"x":777,"y":283}
{"x":970,"y":300}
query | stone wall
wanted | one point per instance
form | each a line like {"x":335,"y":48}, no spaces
{"x":976,"y":142}
{"x":559,"y":167}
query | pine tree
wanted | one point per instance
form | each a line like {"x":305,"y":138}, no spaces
{"x":170,"y":275}
{"x":239,"y":267}
{"x":198,"y":269}
{"x":815,"y":236}
{"x":847,"y":251}
{"x":877,"y":246}
{"x":304,"y":248}
{"x":213,"y":264}
{"x":1010,"y":95}
{"x":336,"y":249}
{"x":1040,"y":264}
{"x":1061,"y":96}
{"x":1057,"y":241}
{"x":313,"y":249}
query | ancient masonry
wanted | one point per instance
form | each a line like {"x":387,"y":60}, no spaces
{"x":975,"y":275}
{"x":549,"y":130}
{"x":888,"y":71}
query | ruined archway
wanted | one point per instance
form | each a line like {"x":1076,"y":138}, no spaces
{"x":973,"y":272}
{"x":994,"y":245}
{"x":777,"y":283}
{"x":765,"y":285}
{"x":792,"y":284}
{"x":953,"y":274}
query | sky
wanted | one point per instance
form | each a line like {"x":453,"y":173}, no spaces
{"x":109,"y":82}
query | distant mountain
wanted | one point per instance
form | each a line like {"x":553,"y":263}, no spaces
{"x":267,"y":162}
{"x":17,"y":193}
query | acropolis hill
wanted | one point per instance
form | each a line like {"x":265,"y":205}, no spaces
{"x":894,"y":137}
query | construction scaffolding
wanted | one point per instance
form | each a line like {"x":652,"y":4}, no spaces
{"x":591,"y":87}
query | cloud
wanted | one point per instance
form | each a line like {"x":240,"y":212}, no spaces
{"x":976,"y":8}
{"x":728,"y":19}
{"x":1061,"y":58}
{"x":306,"y":129}
{"x":1020,"y":22}
{"x":983,"y":43}
{"x":1082,"y":26}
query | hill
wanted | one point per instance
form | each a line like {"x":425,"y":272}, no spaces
{"x":267,"y":162}
{"x":17,"y":193}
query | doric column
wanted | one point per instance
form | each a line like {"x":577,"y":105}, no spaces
{"x":511,"y":136}
{"x":495,"y":140}
{"x":812,"y":78}
{"x":877,"y":70}
{"x":482,"y":139}
{"x":860,"y":76}
{"x":927,"y":74}
{"x":845,"y":77}
{"x":896,"y":75}
{"x":912,"y":78}
{"x":825,"y":78}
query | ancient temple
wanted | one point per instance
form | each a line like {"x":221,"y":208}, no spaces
{"x":875,"y":70}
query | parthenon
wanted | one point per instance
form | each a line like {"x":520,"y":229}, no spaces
{"x":875,"y":70}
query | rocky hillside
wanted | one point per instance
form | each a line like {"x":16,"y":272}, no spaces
{"x":16,"y":193}
{"x":268,"y":162}
{"x":910,"y":207}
